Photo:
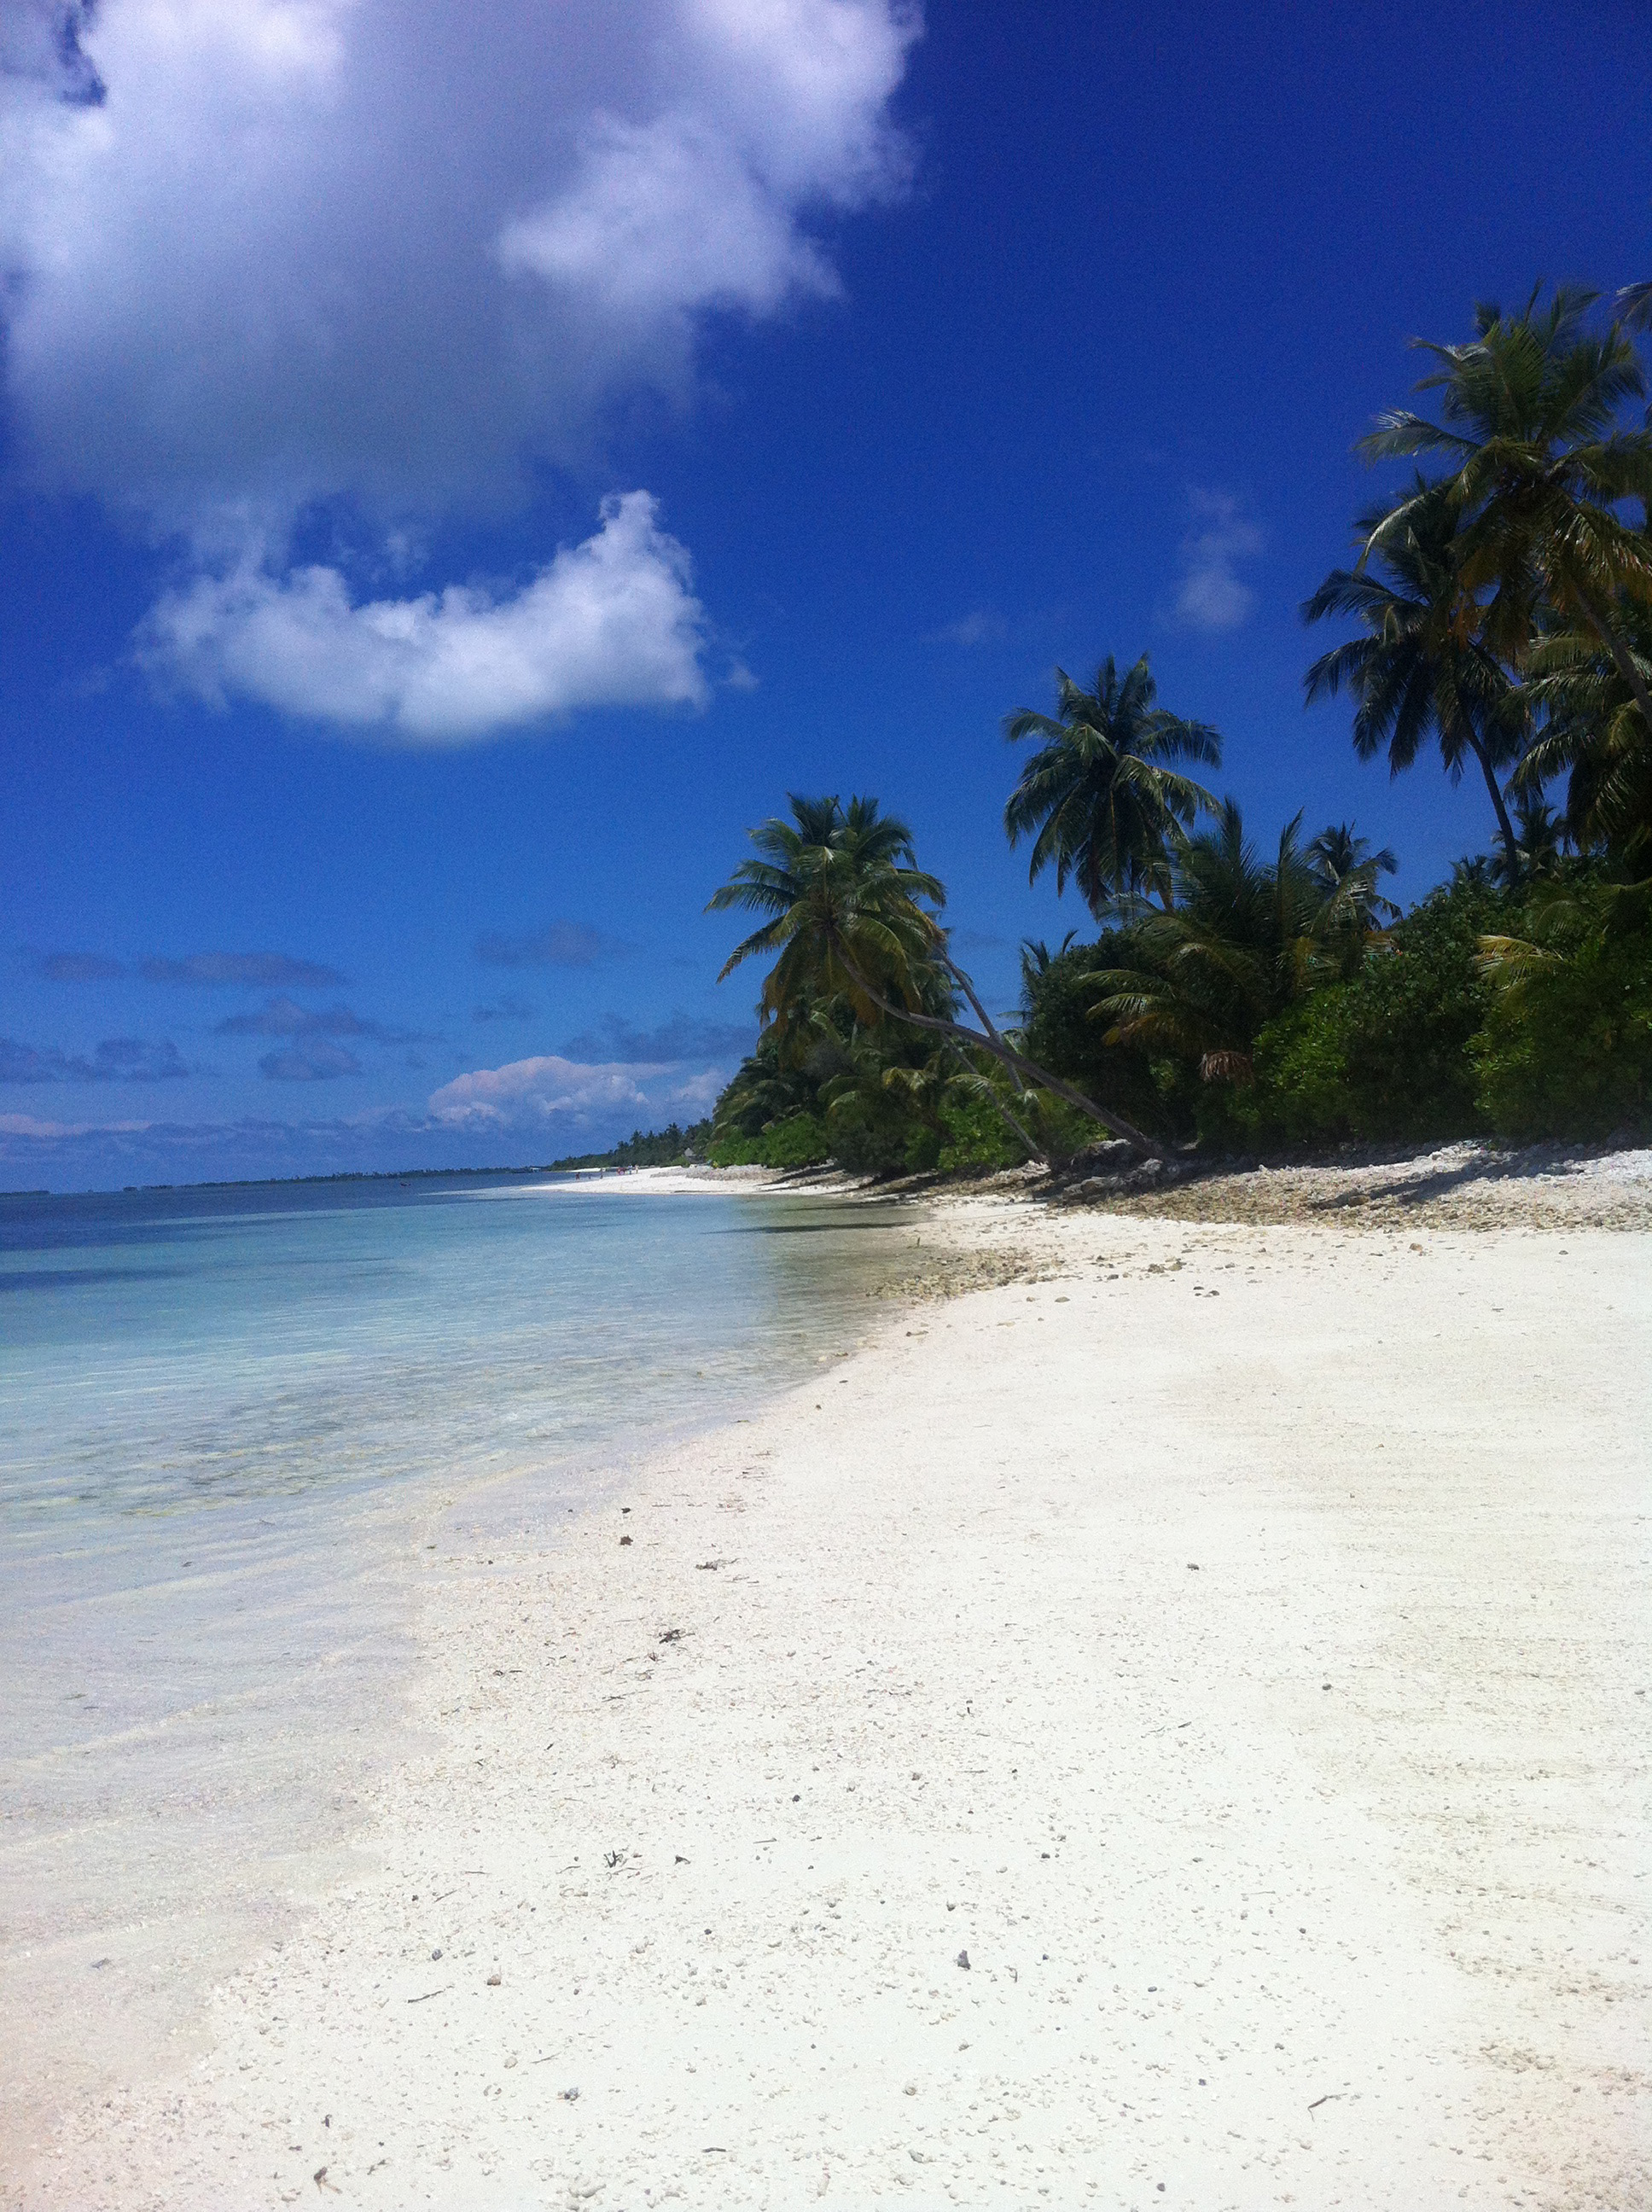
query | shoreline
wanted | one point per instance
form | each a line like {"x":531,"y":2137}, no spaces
{"x":1015,"y":1646}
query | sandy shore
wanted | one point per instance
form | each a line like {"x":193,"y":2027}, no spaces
{"x":1168,"y":1732}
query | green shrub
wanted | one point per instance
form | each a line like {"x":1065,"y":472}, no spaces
{"x":1385,"y":1055}
{"x":976,"y":1136}
{"x":1566,"y":1048}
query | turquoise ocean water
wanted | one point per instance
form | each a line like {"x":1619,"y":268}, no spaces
{"x":231,"y":1421}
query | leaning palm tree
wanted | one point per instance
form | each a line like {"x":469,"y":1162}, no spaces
{"x":1538,"y":467}
{"x":1414,"y":674}
{"x":850,"y":916}
{"x":1103,"y":794}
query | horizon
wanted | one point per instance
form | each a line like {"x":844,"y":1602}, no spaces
{"x":456,"y":486}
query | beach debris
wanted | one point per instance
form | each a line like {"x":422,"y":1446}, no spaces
{"x":496,"y":1981}
{"x":680,"y":1860}
{"x":429,"y":1994}
{"x":625,"y":1539}
{"x":1193,"y":1566}
{"x":963,"y":1959}
{"x":567,"y":2096}
{"x":319,"y":2178}
{"x":96,"y":1963}
{"x":673,"y":1635}
{"x":613,"y":1858}
{"x":435,"y":1954}
{"x":709,"y":1566}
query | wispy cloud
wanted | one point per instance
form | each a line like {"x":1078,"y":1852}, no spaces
{"x":982,"y":626}
{"x":681,"y":1038}
{"x":505,"y":1009}
{"x":268,"y":970}
{"x":318,"y":1061}
{"x":116,"y":1059}
{"x":283,"y":1017}
{"x":1212,"y":595}
{"x":559,"y":945}
{"x":74,"y":967}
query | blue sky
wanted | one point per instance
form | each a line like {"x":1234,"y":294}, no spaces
{"x":463,"y":466}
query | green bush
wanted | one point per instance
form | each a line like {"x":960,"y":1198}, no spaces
{"x":976,"y":1136}
{"x":798,"y":1141}
{"x":1566,"y":1048}
{"x":1064,"y":1037}
{"x":1385,"y":1055}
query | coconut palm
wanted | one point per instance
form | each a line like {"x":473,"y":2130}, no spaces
{"x":1339,"y":856}
{"x":852,"y":917}
{"x":1537,"y":468}
{"x":1103,"y":794}
{"x":1243,"y":938}
{"x":1635,"y":306}
{"x":1596,"y":735}
{"x":851,"y":914}
{"x":1414,"y":674}
{"x":1538,"y":831}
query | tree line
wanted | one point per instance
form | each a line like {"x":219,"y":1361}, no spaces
{"x":1237,"y":996}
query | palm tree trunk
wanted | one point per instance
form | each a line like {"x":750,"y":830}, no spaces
{"x":1034,"y":1152}
{"x":1505,"y":827}
{"x":1017,"y":1062}
{"x":1622,"y":659}
{"x":982,"y":1014}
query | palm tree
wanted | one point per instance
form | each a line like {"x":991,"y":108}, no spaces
{"x":1538,"y":830}
{"x":1339,"y":856}
{"x":1537,"y":469}
{"x":850,"y":916}
{"x":1244,"y":939}
{"x":1414,"y":674}
{"x":1595,"y":730}
{"x":1103,"y":794}
{"x":1635,"y":306}
{"x":850,"y":912}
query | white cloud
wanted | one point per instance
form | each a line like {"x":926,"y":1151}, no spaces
{"x":981,"y":626}
{"x":611,"y":622}
{"x":390,"y":256}
{"x":1212,"y":595}
{"x":388,"y":249}
{"x":532,"y":1094}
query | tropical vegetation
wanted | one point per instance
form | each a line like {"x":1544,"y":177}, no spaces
{"x":1238,"y":991}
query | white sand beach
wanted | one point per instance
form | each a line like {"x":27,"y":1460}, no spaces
{"x":1171,"y":1732}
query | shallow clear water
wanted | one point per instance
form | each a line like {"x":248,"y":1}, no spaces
{"x":230,"y":1420}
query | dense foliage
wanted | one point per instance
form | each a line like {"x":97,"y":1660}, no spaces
{"x":1239,"y":996}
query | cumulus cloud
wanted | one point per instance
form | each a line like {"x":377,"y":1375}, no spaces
{"x":267,"y":969}
{"x":392,"y":249}
{"x":116,"y":1059}
{"x":559,"y":945}
{"x":1212,"y":595}
{"x":533,"y":1095}
{"x":609,"y":622}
